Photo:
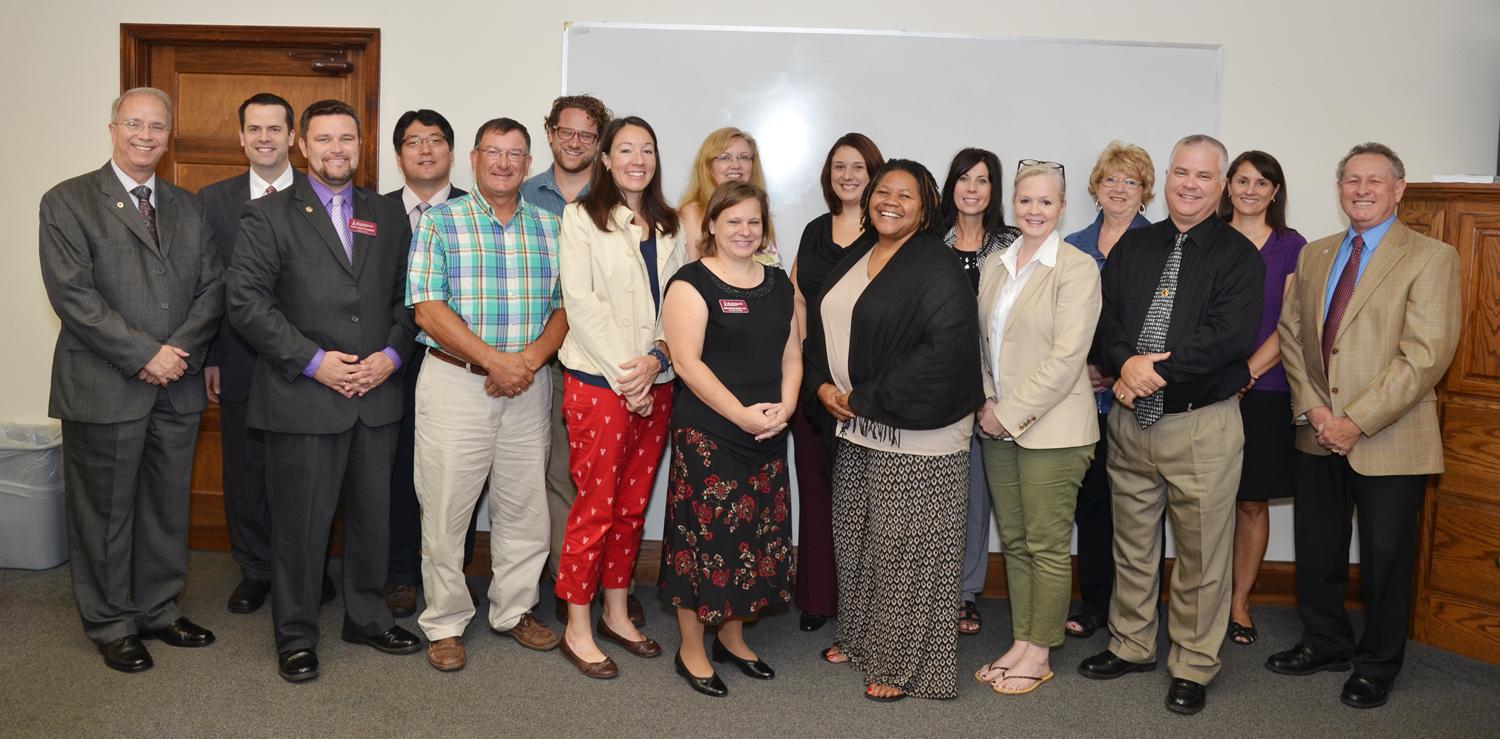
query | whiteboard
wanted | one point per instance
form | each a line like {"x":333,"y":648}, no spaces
{"x":918,"y":96}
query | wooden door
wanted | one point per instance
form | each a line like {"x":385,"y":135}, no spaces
{"x":209,"y":71}
{"x":1458,"y":574}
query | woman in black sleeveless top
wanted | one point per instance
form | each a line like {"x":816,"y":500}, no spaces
{"x":727,"y":545}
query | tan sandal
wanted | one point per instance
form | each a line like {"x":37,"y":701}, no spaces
{"x":1036,"y":683}
{"x":989,"y":667}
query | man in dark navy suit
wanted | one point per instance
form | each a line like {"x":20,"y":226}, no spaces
{"x":424,"y":150}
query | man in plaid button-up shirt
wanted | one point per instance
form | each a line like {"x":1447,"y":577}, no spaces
{"x":483,"y":280}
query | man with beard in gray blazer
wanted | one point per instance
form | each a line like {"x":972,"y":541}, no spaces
{"x":317,"y":287}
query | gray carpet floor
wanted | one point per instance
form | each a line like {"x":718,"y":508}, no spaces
{"x":53,"y":684}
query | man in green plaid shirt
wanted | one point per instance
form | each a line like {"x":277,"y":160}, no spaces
{"x":483,"y":281}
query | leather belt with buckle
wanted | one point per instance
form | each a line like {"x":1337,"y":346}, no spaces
{"x":450,"y":359}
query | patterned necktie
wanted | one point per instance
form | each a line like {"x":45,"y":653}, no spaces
{"x":1342,"y":292}
{"x":1153,"y":338}
{"x":420,"y":209}
{"x":270,"y":189}
{"x":341,"y":225}
{"x":148,"y":212}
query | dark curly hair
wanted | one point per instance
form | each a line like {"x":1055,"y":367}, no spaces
{"x":926,"y":187}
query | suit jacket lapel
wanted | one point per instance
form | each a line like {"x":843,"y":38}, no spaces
{"x":167,"y":206}
{"x":362,"y":243}
{"x":317,"y":217}
{"x":124,"y":206}
{"x":1029,"y":291}
{"x":1319,"y":265}
{"x":1388,"y":252}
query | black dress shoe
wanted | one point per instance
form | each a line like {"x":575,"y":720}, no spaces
{"x":634,"y":611}
{"x":126,"y":654}
{"x":1107,"y":666}
{"x":329,"y":593}
{"x":394,"y":640}
{"x":181,"y":633}
{"x":298,"y":665}
{"x":710,"y":686}
{"x":1302,"y":660}
{"x":1185,"y":696}
{"x":752,"y":667}
{"x":811,"y":621}
{"x":1363,"y":691}
{"x":248,"y":596}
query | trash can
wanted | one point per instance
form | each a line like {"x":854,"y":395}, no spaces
{"x":33,"y":528}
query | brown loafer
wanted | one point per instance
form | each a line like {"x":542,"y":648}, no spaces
{"x":642,"y":648}
{"x":446,"y":655}
{"x":634,"y":610}
{"x":532,"y":634}
{"x":401,"y":600}
{"x":598,"y":670}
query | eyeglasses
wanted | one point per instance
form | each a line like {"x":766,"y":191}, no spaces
{"x":415,"y":142}
{"x":492,"y":154}
{"x":136,"y":126}
{"x":584,"y":137}
{"x":1116,"y":181}
{"x":1041,"y":163}
{"x":726,"y":158}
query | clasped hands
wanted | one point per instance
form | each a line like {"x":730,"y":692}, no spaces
{"x":989,"y":424}
{"x":1138,"y":378}
{"x":635,"y":384}
{"x":348,"y":375}
{"x":166,"y":367}
{"x":1337,"y":434}
{"x":835,"y":402}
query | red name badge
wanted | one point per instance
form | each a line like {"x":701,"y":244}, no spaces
{"x":362,"y":227}
{"x":733,"y":306}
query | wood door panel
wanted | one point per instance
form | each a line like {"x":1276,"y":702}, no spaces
{"x":1476,"y":367}
{"x":1471,"y":448}
{"x":1424,"y":216}
{"x":195,"y":177}
{"x":209,"y":100}
{"x":1466,"y":548}
{"x":1461,"y":626}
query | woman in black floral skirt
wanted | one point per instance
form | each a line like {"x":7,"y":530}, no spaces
{"x":727,"y":548}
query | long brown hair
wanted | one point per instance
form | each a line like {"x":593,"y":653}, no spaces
{"x":604,"y":195}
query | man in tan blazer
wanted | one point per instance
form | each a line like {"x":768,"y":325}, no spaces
{"x":1367,"y":331}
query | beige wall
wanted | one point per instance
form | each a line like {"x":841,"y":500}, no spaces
{"x":1301,"y":80}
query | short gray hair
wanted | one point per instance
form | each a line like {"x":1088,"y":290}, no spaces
{"x":1205,"y":140}
{"x":164,"y":98}
{"x":1398,"y":170}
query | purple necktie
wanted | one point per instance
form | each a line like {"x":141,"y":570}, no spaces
{"x":341,"y":224}
{"x":1342,"y":292}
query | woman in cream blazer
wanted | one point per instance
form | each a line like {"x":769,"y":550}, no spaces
{"x":619,"y":245}
{"x":1038,"y":304}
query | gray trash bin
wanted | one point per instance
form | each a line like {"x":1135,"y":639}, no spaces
{"x":33,"y":528}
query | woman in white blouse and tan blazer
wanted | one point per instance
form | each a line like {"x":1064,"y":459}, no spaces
{"x":619,"y":245}
{"x":1038,"y":305}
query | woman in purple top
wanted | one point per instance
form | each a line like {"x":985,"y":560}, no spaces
{"x":1255,"y":204}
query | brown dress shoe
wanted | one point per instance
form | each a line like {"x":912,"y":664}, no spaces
{"x":401,"y":599}
{"x":531,"y":633}
{"x":634,"y":610}
{"x":642,"y":648}
{"x":598,"y":670}
{"x":446,"y":655}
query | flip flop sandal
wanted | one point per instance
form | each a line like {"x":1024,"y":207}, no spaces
{"x":968,"y":616}
{"x":828,"y":656}
{"x":1036,"y":683}
{"x":883,"y":698}
{"x":1243,"y":635}
{"x":989,"y":666}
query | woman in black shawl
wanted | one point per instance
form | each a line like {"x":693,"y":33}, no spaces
{"x":894,"y":359}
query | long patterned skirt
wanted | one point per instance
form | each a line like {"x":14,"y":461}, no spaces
{"x":726,"y":548}
{"x":898,"y":537}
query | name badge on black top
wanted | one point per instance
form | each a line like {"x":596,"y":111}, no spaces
{"x":733,"y":306}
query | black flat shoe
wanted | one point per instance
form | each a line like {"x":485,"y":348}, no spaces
{"x":752,"y":667}
{"x":1241,"y":634}
{"x":1186,"y":697}
{"x":1088,"y":623}
{"x":1302,"y":660}
{"x":811,"y":621}
{"x":126,"y":654}
{"x":710,"y":686}
{"x":1107,"y":666}
{"x":298,"y":665}
{"x":248,"y":596}
{"x":1363,"y":691}
{"x":181,"y":633}
{"x":394,"y":640}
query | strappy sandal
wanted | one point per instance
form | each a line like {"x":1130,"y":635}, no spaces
{"x":1088,"y":623}
{"x":883,"y":698}
{"x":1241,"y":634}
{"x":1036,"y":682}
{"x":989,"y":667}
{"x":969,"y":622}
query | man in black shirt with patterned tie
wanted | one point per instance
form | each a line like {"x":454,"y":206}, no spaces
{"x":1182,"y":301}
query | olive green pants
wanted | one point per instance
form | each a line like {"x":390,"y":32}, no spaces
{"x":1034,"y":492}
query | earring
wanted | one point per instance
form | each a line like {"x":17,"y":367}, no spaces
{"x":1142,"y":209}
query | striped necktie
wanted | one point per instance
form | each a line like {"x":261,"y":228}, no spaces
{"x":1153,"y":338}
{"x":341,"y":225}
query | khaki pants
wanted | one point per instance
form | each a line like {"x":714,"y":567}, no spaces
{"x":1034,"y":492}
{"x":462,"y":435}
{"x":1187,"y":464}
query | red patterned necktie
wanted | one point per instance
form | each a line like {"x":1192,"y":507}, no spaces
{"x":270,"y":189}
{"x":148,"y":212}
{"x":1342,"y":292}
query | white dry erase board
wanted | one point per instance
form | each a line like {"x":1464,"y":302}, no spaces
{"x":918,"y":96}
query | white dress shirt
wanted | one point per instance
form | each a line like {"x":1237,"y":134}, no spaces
{"x":258,"y":186}
{"x":1011,"y":290}
{"x":410,"y":200}
{"x":129,"y":183}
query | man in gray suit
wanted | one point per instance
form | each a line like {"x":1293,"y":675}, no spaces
{"x":132,"y":273}
{"x":317,"y":287}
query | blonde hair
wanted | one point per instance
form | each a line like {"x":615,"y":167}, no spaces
{"x":1127,"y":158}
{"x":1037,"y":170}
{"x":700,"y":187}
